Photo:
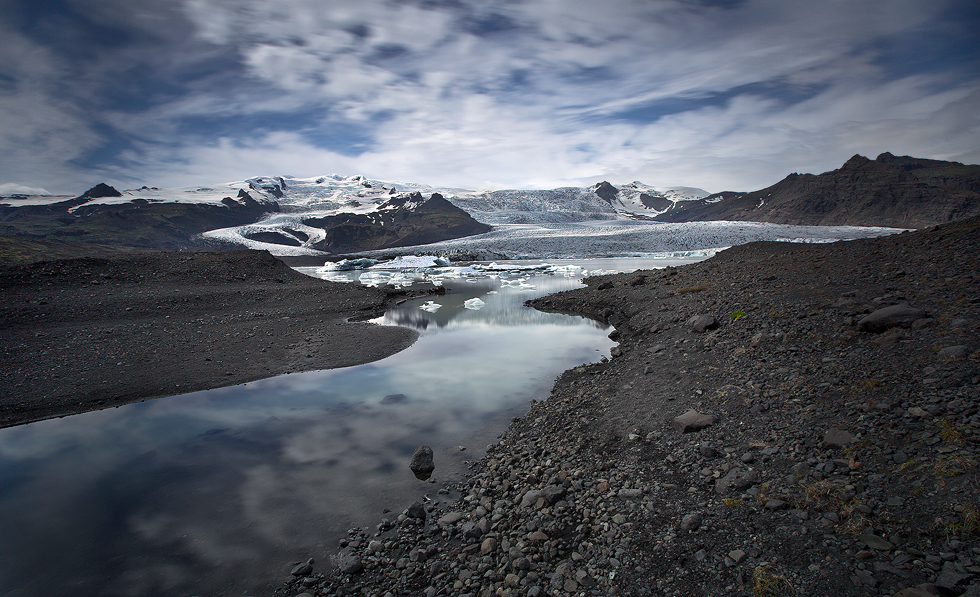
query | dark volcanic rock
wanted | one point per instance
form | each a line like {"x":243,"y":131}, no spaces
{"x":400,"y":222}
{"x":901,"y":192}
{"x":890,"y":317}
{"x":101,"y":190}
{"x":692,"y":420}
{"x":649,"y":511}
{"x":422,"y":463}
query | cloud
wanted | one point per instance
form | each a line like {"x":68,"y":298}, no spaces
{"x":11,"y":188}
{"x":533,"y":93}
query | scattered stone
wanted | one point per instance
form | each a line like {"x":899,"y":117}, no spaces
{"x":692,"y":421}
{"x":703,"y":323}
{"x":775,"y":505}
{"x":349,"y":564}
{"x":836,"y":438}
{"x":901,"y":315}
{"x":303,"y":569}
{"x":737,"y":479}
{"x":691,"y":522}
{"x":950,"y":578}
{"x":450,"y":519}
{"x":416,"y":511}
{"x":875,"y":542}
{"x":954,"y":353}
{"x":422,"y":463}
{"x":488,"y":546}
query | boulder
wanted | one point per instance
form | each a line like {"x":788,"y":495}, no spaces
{"x":954,"y":353}
{"x":901,"y":315}
{"x":692,"y":420}
{"x":553,"y":493}
{"x":703,"y":323}
{"x":422,"y":464}
{"x":737,"y":479}
{"x":836,"y":438}
{"x":349,"y":564}
{"x":416,"y":510}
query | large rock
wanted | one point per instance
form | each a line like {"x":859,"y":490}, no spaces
{"x":901,"y":315}
{"x":349,"y":564}
{"x":692,"y":420}
{"x":836,"y":438}
{"x":703,"y":323}
{"x":416,"y":510}
{"x":954,"y":353}
{"x":737,"y":479}
{"x":422,"y":464}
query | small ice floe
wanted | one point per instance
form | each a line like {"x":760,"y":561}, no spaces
{"x":510,"y":267}
{"x":430,"y":306}
{"x":347,"y":265}
{"x":413,"y":262}
{"x":474,"y":303}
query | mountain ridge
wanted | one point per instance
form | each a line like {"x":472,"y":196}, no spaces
{"x":898,"y":192}
{"x":335,"y":215}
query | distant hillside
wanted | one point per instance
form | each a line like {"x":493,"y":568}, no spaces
{"x":21,"y":249}
{"x":137,"y":223}
{"x":400,"y":222}
{"x":900,"y":192}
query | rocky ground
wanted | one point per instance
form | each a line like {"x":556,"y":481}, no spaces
{"x":90,"y":333}
{"x":827,"y":454}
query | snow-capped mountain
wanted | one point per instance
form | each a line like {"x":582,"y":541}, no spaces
{"x":601,"y":201}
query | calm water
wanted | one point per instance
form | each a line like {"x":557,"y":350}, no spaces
{"x":216,"y":492}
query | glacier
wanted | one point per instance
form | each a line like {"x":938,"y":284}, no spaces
{"x":571,"y":222}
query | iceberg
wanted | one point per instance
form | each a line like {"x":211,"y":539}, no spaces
{"x":346,"y":265}
{"x":412,"y":262}
{"x":474,"y":303}
{"x":430,"y":306}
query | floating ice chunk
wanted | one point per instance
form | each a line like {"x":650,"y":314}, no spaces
{"x":474,"y":304}
{"x":413,"y":262}
{"x":430,"y":306}
{"x":347,"y":265}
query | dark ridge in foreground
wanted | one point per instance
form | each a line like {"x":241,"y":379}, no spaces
{"x":90,"y":333}
{"x":826,"y":447}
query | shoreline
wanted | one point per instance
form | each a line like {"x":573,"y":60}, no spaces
{"x":93,"y":333}
{"x":830,"y":459}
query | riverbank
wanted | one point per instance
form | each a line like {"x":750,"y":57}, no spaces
{"x":826,"y":454}
{"x":92,"y":333}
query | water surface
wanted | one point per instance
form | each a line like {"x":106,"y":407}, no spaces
{"x":215,"y":492}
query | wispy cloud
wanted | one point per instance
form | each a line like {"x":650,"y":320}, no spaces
{"x":727,"y":94}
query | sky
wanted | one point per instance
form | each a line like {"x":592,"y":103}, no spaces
{"x":479,"y":94}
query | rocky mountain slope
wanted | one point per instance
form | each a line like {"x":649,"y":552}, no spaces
{"x":399,"y":222}
{"x":781,"y":419}
{"x":103,"y":216}
{"x":899,"y":192}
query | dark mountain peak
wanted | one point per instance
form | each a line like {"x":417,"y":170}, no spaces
{"x":856,"y":161}
{"x":896,"y":191}
{"x":606,"y":191}
{"x":101,"y":190}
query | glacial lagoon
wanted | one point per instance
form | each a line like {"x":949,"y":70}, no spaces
{"x":216,"y":492}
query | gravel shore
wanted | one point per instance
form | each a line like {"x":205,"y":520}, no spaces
{"x":92,"y":333}
{"x":829,"y":443}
